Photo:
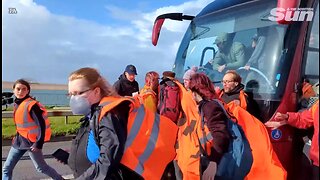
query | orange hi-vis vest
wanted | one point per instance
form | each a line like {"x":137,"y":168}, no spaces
{"x":188,"y":146}
{"x":147,"y":92}
{"x":242,"y":98}
{"x":25,"y":125}
{"x":307,"y":90}
{"x":266,"y":164}
{"x":150,"y":141}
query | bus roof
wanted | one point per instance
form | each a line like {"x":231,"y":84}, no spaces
{"x":220,"y":4}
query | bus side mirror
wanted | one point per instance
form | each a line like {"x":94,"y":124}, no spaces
{"x":156,"y":30}
{"x":160,"y":20}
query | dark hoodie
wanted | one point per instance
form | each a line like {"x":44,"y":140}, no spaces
{"x":233,"y":95}
{"x":124,"y":87}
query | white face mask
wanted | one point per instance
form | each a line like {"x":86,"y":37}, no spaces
{"x":80,"y":105}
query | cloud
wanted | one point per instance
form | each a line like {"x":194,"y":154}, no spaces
{"x":46,"y":47}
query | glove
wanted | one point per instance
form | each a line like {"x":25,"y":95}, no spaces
{"x":210,"y":172}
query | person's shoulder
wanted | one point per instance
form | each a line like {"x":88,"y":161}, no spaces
{"x":237,"y":46}
{"x":212,"y":105}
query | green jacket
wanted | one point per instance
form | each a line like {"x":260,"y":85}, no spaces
{"x":234,"y":59}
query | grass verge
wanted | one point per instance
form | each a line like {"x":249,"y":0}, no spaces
{"x":58,"y":126}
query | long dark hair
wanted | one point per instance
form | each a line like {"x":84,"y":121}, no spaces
{"x":201,"y":84}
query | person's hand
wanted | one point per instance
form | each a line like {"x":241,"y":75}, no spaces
{"x":60,"y":161}
{"x":210,"y":172}
{"x":275,"y":124}
{"x":247,"y":67}
{"x":281,"y":117}
{"x":279,"y":120}
{"x":221,"y":68}
{"x":33,"y":148}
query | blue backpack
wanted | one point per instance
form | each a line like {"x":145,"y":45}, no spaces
{"x":236,"y":163}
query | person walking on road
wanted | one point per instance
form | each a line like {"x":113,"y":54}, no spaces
{"x":120,"y":132}
{"x":33,"y":129}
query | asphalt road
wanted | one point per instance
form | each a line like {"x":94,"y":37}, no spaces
{"x":25,"y":170}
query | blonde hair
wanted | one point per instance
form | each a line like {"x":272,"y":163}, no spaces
{"x":94,"y":79}
{"x":236,"y":77}
{"x":151,"y":76}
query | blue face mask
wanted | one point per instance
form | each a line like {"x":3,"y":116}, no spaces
{"x":80,"y":105}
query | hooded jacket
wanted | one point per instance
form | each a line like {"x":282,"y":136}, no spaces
{"x":124,"y":87}
{"x":233,"y":95}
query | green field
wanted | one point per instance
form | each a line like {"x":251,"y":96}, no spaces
{"x":58,"y":126}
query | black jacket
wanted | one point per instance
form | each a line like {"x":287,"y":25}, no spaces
{"x":233,"y":95}
{"x":110,"y":135}
{"x":216,"y":121}
{"x":20,"y":142}
{"x":124,"y":87}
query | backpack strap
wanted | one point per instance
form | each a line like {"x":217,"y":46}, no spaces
{"x":161,"y":96}
{"x":203,"y":151}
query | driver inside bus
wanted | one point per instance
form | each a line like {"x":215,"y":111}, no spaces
{"x":231,"y":55}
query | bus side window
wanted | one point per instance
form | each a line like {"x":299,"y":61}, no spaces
{"x":311,"y":57}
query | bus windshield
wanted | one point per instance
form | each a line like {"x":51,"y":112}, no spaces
{"x":241,"y":39}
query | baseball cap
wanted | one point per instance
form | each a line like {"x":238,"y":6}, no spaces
{"x":168,"y":74}
{"x":131,"y":69}
{"x":223,"y":37}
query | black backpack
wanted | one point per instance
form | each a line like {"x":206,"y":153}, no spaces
{"x":78,"y":160}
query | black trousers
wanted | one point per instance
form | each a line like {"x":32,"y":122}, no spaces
{"x":315,"y":172}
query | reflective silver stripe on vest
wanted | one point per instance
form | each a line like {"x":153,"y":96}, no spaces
{"x":37,"y":130}
{"x":26,"y":123}
{"x":34,"y":131}
{"x":135,"y":127}
{"x":25,"y":112}
{"x":204,"y":140}
{"x":150,"y":146}
{"x":105,"y":103}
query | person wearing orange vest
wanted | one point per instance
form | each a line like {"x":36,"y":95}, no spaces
{"x":307,"y":90}
{"x":132,"y":141}
{"x":215,"y":134}
{"x":33,"y":129}
{"x":233,"y":89}
{"x":303,"y":120}
{"x":149,"y":93}
{"x":233,"y":94}
{"x":266,"y":164}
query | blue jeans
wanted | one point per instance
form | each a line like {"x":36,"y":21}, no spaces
{"x":37,"y":159}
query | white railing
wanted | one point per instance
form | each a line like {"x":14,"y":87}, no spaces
{"x":51,"y":113}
